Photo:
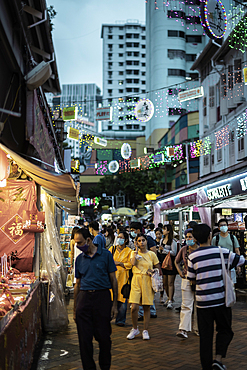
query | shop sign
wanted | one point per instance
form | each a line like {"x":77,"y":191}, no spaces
{"x":113,"y":166}
{"x":144,"y":110}
{"x":243,"y":183}
{"x":89,"y":202}
{"x":245,"y":75}
{"x":226,"y":212}
{"x":126,"y":151}
{"x":188,"y":199}
{"x":13,"y":229}
{"x":70,"y":113}
{"x":104,"y":114}
{"x":190,"y":94}
{"x":167,"y":205}
{"x":135,"y":163}
{"x":219,"y":192}
{"x":100,"y":141}
{"x":158,"y":158}
{"x":73,"y":134}
{"x":213,"y":18}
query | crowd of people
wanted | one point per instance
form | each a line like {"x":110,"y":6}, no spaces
{"x":114,"y":265}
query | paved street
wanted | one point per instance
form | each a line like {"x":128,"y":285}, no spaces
{"x":164,"y":350}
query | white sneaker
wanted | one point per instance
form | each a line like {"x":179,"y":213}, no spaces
{"x":166,"y":302}
{"x":133,"y":333}
{"x":169,"y":305}
{"x":145,"y":335}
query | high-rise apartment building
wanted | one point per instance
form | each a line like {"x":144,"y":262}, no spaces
{"x":174,"y":39}
{"x":124,"y":76}
{"x":87,"y":98}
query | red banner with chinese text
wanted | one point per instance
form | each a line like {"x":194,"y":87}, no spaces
{"x":16,"y":197}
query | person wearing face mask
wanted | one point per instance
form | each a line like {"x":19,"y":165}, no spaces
{"x":121,"y":255}
{"x":99,"y":239}
{"x":228,"y":241}
{"x":93,"y":308}
{"x":188,"y":295}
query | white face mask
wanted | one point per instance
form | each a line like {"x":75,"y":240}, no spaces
{"x":224,"y":228}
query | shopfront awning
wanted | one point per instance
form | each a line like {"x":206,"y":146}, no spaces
{"x":236,"y":201}
{"x":60,"y":186}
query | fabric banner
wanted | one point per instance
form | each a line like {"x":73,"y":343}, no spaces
{"x":16,"y":197}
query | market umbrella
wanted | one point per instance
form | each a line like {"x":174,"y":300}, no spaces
{"x":124,"y":211}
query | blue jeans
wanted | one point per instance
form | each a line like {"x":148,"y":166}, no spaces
{"x":152,"y":310}
{"x":122,"y":309}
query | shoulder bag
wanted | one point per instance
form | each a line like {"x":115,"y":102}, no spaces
{"x":230,"y":295}
{"x":167,"y":263}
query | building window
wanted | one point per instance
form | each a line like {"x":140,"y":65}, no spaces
{"x":136,"y":35}
{"x":193,"y":38}
{"x":176,"y":72}
{"x":136,"y":72}
{"x":129,"y":62}
{"x":128,"y":35}
{"x":128,"y":71}
{"x":172,"y":54}
{"x":190,"y":57}
{"x":128,"y":127}
{"x":109,"y":65}
{"x":110,"y":74}
{"x":176,"y":111}
{"x":109,"y":55}
{"x":136,"y":45}
{"x":193,"y":19}
{"x":206,"y":160}
{"x":143,"y":37}
{"x":120,"y":55}
{"x":143,"y":73}
{"x":109,"y":127}
{"x":223,"y":90}
{"x":136,"y":53}
{"x":143,"y":82}
{"x":110,"y":82}
{"x":109,"y":91}
{"x":143,"y":64}
{"x":136,"y":90}
{"x":219,"y":155}
{"x":143,"y":55}
{"x":120,"y":82}
{"x":204,"y":106}
{"x":136,"y":127}
{"x":120,"y":28}
{"x":136,"y":62}
{"x":241,"y":144}
{"x":120,"y":64}
{"x":143,"y":46}
{"x":120,"y":73}
{"x":110,"y":29}
{"x":109,"y":46}
{"x":129,"y":89}
{"x":238,"y":71}
{"x":120,"y":46}
{"x":230,"y":77}
{"x":120,"y":37}
{"x":109,"y":101}
{"x":129,"y":44}
{"x":128,"y":80}
{"x":110,"y":37}
{"x":211,"y":97}
{"x":173,"y":33}
{"x":232,"y":143}
{"x":121,"y":128}
{"x":143,"y":91}
{"x":120,"y":91}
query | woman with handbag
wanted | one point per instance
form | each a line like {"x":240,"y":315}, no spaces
{"x":169,"y":248}
{"x":188,"y":295}
{"x":121,"y":255}
{"x":143,"y":261}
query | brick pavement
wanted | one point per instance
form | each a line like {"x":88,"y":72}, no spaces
{"x":164,"y":350}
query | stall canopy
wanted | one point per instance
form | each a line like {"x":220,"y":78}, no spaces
{"x":60,"y":186}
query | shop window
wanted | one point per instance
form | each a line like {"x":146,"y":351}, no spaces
{"x":219,"y":155}
{"x":241,"y":144}
{"x":211,"y":96}
{"x":238,"y":71}
{"x":223,"y":87}
{"x":230,"y":77}
{"x":204,"y":106}
{"x":231,"y":143}
{"x":206,"y":160}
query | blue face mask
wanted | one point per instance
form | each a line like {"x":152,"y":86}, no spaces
{"x":190,"y":242}
{"x":224,"y":228}
{"x":83,"y":248}
{"x":120,"y":241}
{"x":133,"y":234}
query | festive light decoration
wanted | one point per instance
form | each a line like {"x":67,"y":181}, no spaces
{"x":200,"y":147}
{"x":89,"y":202}
{"x":126,"y":151}
{"x":222,"y":138}
{"x":238,"y":37}
{"x":113,"y":166}
{"x":213,"y":18}
{"x":144,"y":110}
{"x":242,"y":128}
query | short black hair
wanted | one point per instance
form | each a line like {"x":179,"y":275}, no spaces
{"x":136,"y":225}
{"x":158,"y":229}
{"x":73,"y":232}
{"x":201,"y":233}
{"x":222,"y":220}
{"x":191,"y":224}
{"x":151,"y":226}
{"x":160,"y":225}
{"x":84,"y":232}
{"x":94,"y":225}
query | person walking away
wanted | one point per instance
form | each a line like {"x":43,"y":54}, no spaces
{"x":136,"y":229}
{"x":188,"y":292}
{"x":74,"y":251}
{"x":228,"y":241}
{"x":121,"y":255}
{"x":99,"y":239}
{"x":161,"y":256}
{"x":143,"y":261}
{"x":93,"y":309}
{"x":168,"y":244}
{"x":151,"y":231}
{"x":205,"y":270}
{"x":109,"y":237}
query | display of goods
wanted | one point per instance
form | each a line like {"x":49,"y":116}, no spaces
{"x":233,"y":225}
{"x":33,"y":222}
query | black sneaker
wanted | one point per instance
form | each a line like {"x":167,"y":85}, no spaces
{"x":140,"y":318}
{"x":153,"y":316}
{"x":218,"y":365}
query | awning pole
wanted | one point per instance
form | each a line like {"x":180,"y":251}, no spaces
{"x":180,"y":218}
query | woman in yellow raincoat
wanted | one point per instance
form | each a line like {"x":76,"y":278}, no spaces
{"x":121,"y":255}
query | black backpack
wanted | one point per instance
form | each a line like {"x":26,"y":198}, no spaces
{"x":232,"y":239}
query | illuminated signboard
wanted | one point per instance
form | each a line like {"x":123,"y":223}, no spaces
{"x":70,"y":113}
{"x":144,"y":110}
{"x":135,"y":163}
{"x":219,"y":192}
{"x":104,"y":114}
{"x":126,"y":151}
{"x":100,"y":141}
{"x":73,"y":133}
{"x":213,"y":18}
{"x":226,"y":212}
{"x":190,"y":94}
{"x":89,"y":202}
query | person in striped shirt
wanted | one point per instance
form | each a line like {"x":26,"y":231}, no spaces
{"x":205,"y":271}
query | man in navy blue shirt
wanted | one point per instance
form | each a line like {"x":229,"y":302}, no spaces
{"x":99,"y":239}
{"x":93,"y":309}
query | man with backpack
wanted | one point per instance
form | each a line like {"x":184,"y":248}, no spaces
{"x":228,"y":241}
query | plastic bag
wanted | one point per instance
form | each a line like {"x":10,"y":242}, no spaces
{"x":157,"y":281}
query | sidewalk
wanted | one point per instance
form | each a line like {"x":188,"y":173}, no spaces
{"x":164,"y":351}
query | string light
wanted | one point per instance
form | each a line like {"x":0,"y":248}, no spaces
{"x":222,"y":137}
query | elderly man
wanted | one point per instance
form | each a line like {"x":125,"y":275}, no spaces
{"x":93,"y":309}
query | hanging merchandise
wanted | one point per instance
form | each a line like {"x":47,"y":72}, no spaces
{"x":144,"y":110}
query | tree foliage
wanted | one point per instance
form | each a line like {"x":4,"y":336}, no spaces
{"x":135,"y":185}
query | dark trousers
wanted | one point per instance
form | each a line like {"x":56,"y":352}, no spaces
{"x":93,"y":316}
{"x":222,"y":315}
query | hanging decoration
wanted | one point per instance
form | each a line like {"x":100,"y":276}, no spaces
{"x":241,"y":121}
{"x":200,"y":147}
{"x":213,"y":18}
{"x":222,"y":138}
{"x":126,"y":151}
{"x":144,"y":110}
{"x":113,"y":166}
{"x":238,"y":37}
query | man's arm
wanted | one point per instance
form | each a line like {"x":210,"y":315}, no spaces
{"x":76,"y":291}
{"x":115,"y":294}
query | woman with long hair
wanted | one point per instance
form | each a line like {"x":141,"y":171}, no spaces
{"x":168,"y":244}
{"x":143,"y":261}
{"x":121,"y":255}
{"x":109,"y":237}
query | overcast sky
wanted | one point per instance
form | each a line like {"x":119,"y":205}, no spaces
{"x":76,"y":37}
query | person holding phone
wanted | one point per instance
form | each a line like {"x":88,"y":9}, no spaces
{"x":143,"y":262}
